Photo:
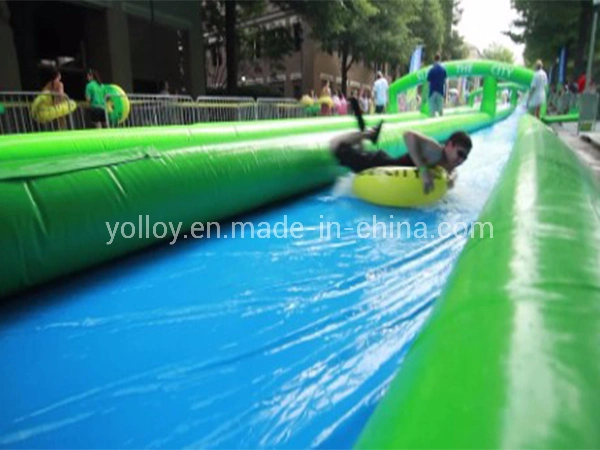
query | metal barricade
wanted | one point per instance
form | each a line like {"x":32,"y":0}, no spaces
{"x":29,"y":112}
{"x":588,"y":111}
{"x":224,"y":109}
{"x":80,"y":116}
{"x":25,"y":112}
{"x":279,"y":108}
{"x":147,"y":110}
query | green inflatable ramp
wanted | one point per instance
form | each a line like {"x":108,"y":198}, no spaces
{"x":511,"y":355}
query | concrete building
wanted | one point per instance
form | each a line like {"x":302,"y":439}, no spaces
{"x":133,"y":44}
{"x":305,"y":70}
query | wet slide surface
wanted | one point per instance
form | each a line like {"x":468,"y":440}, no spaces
{"x":275,"y":342}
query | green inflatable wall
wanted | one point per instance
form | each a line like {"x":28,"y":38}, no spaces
{"x":511,"y":355}
{"x":572,"y":117}
{"x":58,"y":190}
{"x":18,"y":150}
{"x":512,"y":87}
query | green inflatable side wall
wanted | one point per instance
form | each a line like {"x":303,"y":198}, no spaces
{"x":572,"y":117}
{"x":25,"y":149}
{"x":512,"y":87}
{"x":57,"y":192}
{"x":511,"y":355}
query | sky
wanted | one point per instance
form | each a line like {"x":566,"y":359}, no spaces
{"x":483,"y":22}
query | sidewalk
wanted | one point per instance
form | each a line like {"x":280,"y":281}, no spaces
{"x":586,"y":146}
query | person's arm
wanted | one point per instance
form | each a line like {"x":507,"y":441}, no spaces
{"x":417,"y":144}
{"x":60,"y":87}
{"x":88,"y":96}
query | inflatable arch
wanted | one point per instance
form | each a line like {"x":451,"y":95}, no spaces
{"x":492,"y":71}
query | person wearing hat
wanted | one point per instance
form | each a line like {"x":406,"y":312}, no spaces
{"x":380,"y":91}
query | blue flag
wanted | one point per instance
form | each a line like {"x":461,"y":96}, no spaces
{"x":415,"y":60}
{"x":407,"y":102}
{"x":562,"y":65}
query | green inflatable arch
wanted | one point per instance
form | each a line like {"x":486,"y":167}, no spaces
{"x":491,"y":70}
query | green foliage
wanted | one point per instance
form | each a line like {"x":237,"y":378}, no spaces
{"x":497,"y":52}
{"x":545,"y":26}
{"x":390,"y":39}
{"x":372,"y":31}
{"x":454,"y":45}
{"x":212,"y":14}
{"x":429,"y":27}
{"x":252,"y":41}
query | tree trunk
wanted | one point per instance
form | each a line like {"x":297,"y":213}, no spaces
{"x":585,"y":21}
{"x":344,"y":71}
{"x":231,"y":46}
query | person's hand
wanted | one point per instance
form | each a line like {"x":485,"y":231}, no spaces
{"x":427,"y":181}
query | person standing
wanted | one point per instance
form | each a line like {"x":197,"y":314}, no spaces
{"x":380,"y":91}
{"x":437,"y":87}
{"x":581,"y":82}
{"x":94,"y":94}
{"x":537,"y":93}
{"x":363,"y":101}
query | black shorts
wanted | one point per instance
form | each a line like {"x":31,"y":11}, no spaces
{"x":96,"y":115}
{"x":358,"y":160}
{"x":379,"y":109}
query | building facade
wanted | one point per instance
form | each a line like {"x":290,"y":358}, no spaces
{"x":304,"y":71}
{"x":134,"y":44}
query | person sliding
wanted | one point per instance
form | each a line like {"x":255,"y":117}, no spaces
{"x":423,"y":152}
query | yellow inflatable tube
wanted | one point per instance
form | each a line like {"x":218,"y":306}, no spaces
{"x":306,"y":101}
{"x":117,"y":104}
{"x":326,"y":100}
{"x":398,"y":186}
{"x":44,"y":110}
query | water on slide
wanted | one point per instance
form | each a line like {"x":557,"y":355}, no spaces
{"x":237,"y":342}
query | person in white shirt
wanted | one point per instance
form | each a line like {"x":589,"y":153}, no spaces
{"x":537,"y":93}
{"x":380,"y":91}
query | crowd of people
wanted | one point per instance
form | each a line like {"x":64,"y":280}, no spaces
{"x":375,"y":100}
{"x":95,"y":96}
{"x":334,"y":102}
{"x":563,"y":99}
{"x":560,"y":99}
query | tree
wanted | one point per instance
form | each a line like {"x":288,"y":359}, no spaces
{"x":497,"y":52}
{"x":392,"y":41}
{"x":374,"y":31}
{"x":228,"y":23}
{"x":231,"y":44}
{"x":454,"y":44}
{"x":545,"y":26}
{"x":429,"y":26}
